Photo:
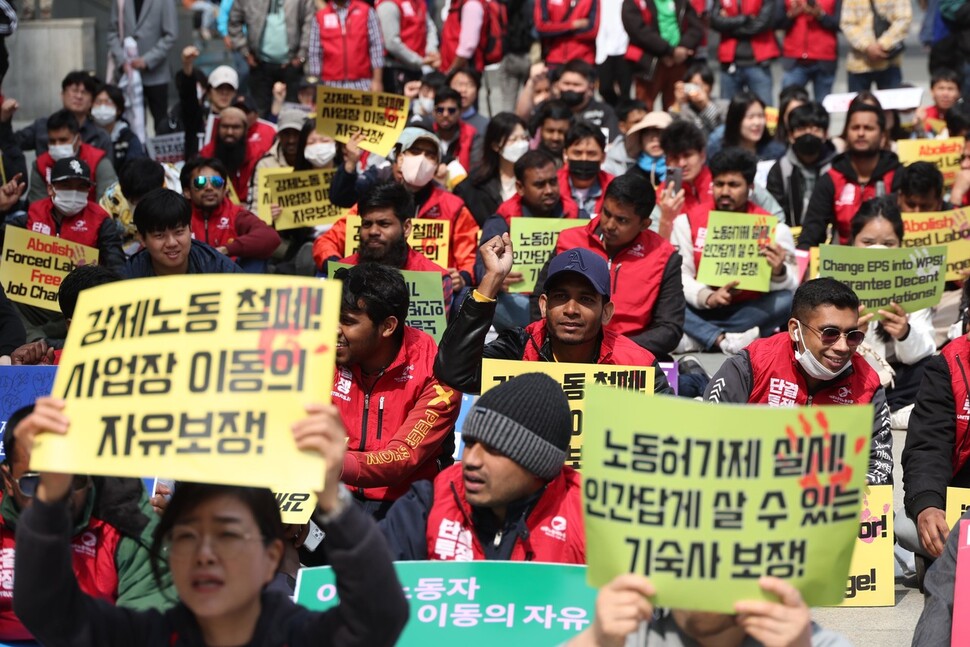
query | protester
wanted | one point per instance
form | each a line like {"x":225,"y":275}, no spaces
{"x":694,"y":101}
{"x":814,"y":362}
{"x":107,"y":112}
{"x":747,"y":48}
{"x":790,"y":97}
{"x":581,"y":179}
{"x":465,"y":35}
{"x":12,"y":332}
{"x":576,"y":87}
{"x":460,"y":142}
{"x":219,"y":90}
{"x":945,"y":90}
{"x":745,"y":126}
{"x":410,"y":41}
{"x":346,"y":50}
{"x":493,"y":181}
{"x":216,"y":221}
{"x":258,"y":131}
{"x":64,"y":142}
{"x":512,"y":482}
{"x":163,"y":219}
{"x":935,"y":625}
{"x":111,"y":525}
{"x":550,"y":125}
{"x":399,"y":420}
{"x":810,"y":47}
{"x":135,"y":180}
{"x":685,"y":148}
{"x":467,"y":82}
{"x":220,"y":574}
{"x":233,"y":148}
{"x":567,"y":31}
{"x":640,"y":152}
{"x":875,"y":57}
{"x":722,"y":317}
{"x":285,"y":149}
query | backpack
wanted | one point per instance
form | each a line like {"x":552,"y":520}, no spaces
{"x":494,"y":30}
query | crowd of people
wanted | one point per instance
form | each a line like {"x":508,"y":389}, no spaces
{"x":616,"y":128}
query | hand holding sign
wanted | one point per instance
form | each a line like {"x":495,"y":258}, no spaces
{"x":620,"y":608}
{"x":722,"y":296}
{"x":787,"y":622}
{"x":322,"y":431}
{"x":47,"y":417}
{"x":895,"y":321}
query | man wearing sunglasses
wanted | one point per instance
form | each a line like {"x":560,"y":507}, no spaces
{"x":814,"y":361}
{"x":460,"y":141}
{"x":216,"y":221}
{"x":113,"y":526}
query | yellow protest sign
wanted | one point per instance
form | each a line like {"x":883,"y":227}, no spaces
{"x":936,"y":125}
{"x":771,"y":119}
{"x":378,"y":116}
{"x":944,"y":153}
{"x":949,"y":228}
{"x":304,"y":197}
{"x":205,"y":374}
{"x":575,"y":379}
{"x":533,"y":244}
{"x":34,"y":265}
{"x":957,"y":502}
{"x":429,"y":237}
{"x":704,"y":499}
{"x":871,"y":581}
{"x":296,"y":507}
{"x":732,"y":250}
{"x":263,"y":184}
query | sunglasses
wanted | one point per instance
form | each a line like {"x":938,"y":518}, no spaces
{"x":214,"y":180}
{"x":30,"y":480}
{"x":442,"y":110}
{"x":830,"y":335}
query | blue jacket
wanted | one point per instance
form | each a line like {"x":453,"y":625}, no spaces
{"x":202,"y":260}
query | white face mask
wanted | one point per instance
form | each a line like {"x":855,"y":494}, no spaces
{"x":70,"y":203}
{"x":104,"y":115}
{"x":61,"y":151}
{"x":424,"y":106}
{"x":810,"y":363}
{"x":319,"y":155}
{"x":512,"y":151}
{"x":418,"y":170}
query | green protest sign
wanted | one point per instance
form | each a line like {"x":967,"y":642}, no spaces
{"x":533,"y":242}
{"x":704,"y":499}
{"x":732,"y":250}
{"x":426,"y":308}
{"x":912,"y":278}
{"x":477,"y":604}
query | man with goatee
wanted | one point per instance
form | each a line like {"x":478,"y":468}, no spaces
{"x":233,"y":148}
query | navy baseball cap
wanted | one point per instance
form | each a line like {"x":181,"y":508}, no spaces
{"x":584,"y":262}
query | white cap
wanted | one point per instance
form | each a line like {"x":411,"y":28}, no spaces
{"x":224,"y":75}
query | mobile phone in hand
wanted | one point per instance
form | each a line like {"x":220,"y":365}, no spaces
{"x":675,"y":178}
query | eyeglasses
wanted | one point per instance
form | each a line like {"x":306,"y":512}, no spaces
{"x":964,"y":158}
{"x":830,"y":335}
{"x":216,"y":181}
{"x":27,"y":484}
{"x":442,"y":110}
{"x":184,"y":543}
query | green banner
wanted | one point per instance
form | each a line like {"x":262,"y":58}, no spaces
{"x":533,"y":243}
{"x":910,"y":277}
{"x":704,"y":499}
{"x":426,"y":309}
{"x":732,"y":250}
{"x":477,"y":604}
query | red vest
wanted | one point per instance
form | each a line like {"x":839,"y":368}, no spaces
{"x":555,"y":525}
{"x":696,"y":193}
{"x":450,"y":32}
{"x":82,"y":227}
{"x":642,"y":265}
{"x":88,"y":154}
{"x":414,"y":24}
{"x":615,"y":349}
{"x":512,"y":208}
{"x":219,"y":229}
{"x":806,"y":39}
{"x":603,"y":178}
{"x":778,"y":382}
{"x":463,"y":152}
{"x":555,"y":17}
{"x":849,"y":196}
{"x":698,"y":234}
{"x":93,"y":552}
{"x":763,"y":45}
{"x":346,"y":54}
{"x":463,"y":239}
{"x":959,"y":368}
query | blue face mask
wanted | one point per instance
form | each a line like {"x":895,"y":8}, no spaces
{"x":657,"y":165}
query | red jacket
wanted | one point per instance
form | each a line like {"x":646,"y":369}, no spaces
{"x":241,"y":178}
{"x":450,"y":32}
{"x":642,"y":263}
{"x":777,"y":381}
{"x":807,"y":40}
{"x":555,"y":525}
{"x":240,"y":231}
{"x":849,"y":196}
{"x":952,"y":353}
{"x":261,"y":132}
{"x":603,"y":178}
{"x":345,"y":48}
{"x":462,"y":149}
{"x":397,"y":430}
{"x":414,"y":24}
{"x":418,"y":263}
{"x":615,"y":349}
{"x":698,"y":192}
{"x":698,"y":218}
{"x":88,"y":154}
{"x":560,"y":41}
{"x":763,"y":45}
{"x":512,"y":208}
{"x":82,"y":227}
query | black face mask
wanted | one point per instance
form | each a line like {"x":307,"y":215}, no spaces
{"x":583,"y":169}
{"x":572,"y":98}
{"x":808,"y":146}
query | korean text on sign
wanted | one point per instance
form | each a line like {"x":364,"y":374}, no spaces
{"x":203,"y":373}
{"x":732,"y":250}
{"x":34,"y":264}
{"x":574,"y":379}
{"x":303,"y":196}
{"x":378,"y":116}
{"x":429,"y":237}
{"x":705,"y":499}
{"x":533,"y":243}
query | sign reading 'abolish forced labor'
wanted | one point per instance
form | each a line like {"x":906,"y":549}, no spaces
{"x":574,"y":379}
{"x":34,"y":264}
{"x":913,"y":278}
{"x":948,"y":228}
{"x":533,"y":243}
{"x":303,"y":197}
{"x":706,"y":499}
{"x":732,"y":250}
{"x":477,"y":603}
{"x":205,"y":374}
{"x":377,"y":116}
{"x":943,"y":153}
{"x":429,"y":237}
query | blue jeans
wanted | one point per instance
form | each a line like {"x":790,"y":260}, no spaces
{"x":511,"y":311}
{"x":768,"y":312}
{"x":888,"y":79}
{"x":755,"y":78}
{"x":820,"y":73}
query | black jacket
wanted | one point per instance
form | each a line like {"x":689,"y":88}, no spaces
{"x":482,"y":199}
{"x":372,"y":609}
{"x":203,"y":259}
{"x":786,"y":182}
{"x":12,"y":333}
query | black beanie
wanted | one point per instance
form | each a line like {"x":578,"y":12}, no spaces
{"x":526,"y":419}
